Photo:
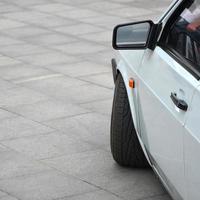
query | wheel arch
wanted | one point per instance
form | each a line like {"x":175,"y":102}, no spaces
{"x":133,"y":102}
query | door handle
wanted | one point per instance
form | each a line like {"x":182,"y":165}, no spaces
{"x":179,"y":102}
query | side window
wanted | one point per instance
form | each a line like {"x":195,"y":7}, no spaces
{"x":184,"y":35}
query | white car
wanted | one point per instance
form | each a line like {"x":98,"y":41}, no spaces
{"x":156,"y":108}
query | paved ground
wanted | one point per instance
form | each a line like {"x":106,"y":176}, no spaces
{"x":55,"y":101}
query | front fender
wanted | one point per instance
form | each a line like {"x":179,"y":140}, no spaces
{"x":132,"y":93}
{"x":127,"y":73}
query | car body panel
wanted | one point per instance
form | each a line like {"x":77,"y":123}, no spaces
{"x":192,"y":148}
{"x":128,"y":67}
{"x":174,"y":152}
{"x":161,"y":122}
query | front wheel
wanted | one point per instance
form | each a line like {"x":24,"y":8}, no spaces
{"x":125,"y":146}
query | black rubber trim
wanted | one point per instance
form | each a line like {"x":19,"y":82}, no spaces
{"x":155,"y":31}
{"x":114,"y":69}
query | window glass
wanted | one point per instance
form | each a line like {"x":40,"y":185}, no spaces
{"x":184,"y":36}
{"x":134,"y":34}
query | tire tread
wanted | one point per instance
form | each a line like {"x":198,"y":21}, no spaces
{"x":125,"y":146}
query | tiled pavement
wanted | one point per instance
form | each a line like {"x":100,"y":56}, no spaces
{"x":55,"y":101}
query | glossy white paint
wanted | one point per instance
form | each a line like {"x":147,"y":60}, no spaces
{"x":192,"y":148}
{"x":170,"y":135}
{"x":161,"y":122}
{"x":128,"y":67}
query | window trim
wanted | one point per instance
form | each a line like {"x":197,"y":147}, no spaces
{"x":189,"y":66}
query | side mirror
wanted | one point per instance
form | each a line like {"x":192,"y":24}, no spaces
{"x":135,"y":35}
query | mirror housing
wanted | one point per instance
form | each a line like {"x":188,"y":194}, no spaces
{"x":138,"y":35}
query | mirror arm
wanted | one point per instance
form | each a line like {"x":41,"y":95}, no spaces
{"x":154,"y":34}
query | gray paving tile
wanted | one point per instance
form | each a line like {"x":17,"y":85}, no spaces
{"x":22,"y":71}
{"x":78,"y":13}
{"x":2,"y":4}
{"x":47,"y":110}
{"x":4,"y":85}
{"x":3,"y":149}
{"x":142,"y":190}
{"x":16,"y":127}
{"x":9,"y":24}
{"x":78,"y":69}
{"x":103,"y":37}
{"x":22,"y":49}
{"x":99,"y":169}
{"x":103,"y":57}
{"x":2,"y":194}
{"x":25,"y":31}
{"x":103,"y":5}
{"x":26,"y":16}
{"x":105,"y":21}
{"x":51,"y":39}
{"x":5,"y":40}
{"x":126,"y":2}
{"x":80,"y":48}
{"x":68,"y":89}
{"x":5,"y":60}
{"x":52,"y":21}
{"x":130,"y":12}
{"x":160,"y":197}
{"x":91,"y":127}
{"x":26,"y":3}
{"x":76,"y":3}
{"x":53,"y":7}
{"x":7,"y":8}
{"x":155,"y":4}
{"x":19,"y":96}
{"x":48,"y":145}
{"x":54,"y":86}
{"x":103,"y":79}
{"x":103,"y":107}
{"x":6,"y":114}
{"x":55,"y":72}
{"x":97,"y":195}
{"x":47,"y":59}
{"x":82,"y":94}
{"x":82,"y":164}
{"x":46,"y":186}
{"x":78,"y":29}
{"x":14,"y":164}
{"x":8,"y":197}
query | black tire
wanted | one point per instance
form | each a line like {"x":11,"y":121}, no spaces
{"x":125,"y":147}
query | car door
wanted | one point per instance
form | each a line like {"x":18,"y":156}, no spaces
{"x":192,"y":148}
{"x":192,"y":144}
{"x":168,"y":80}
